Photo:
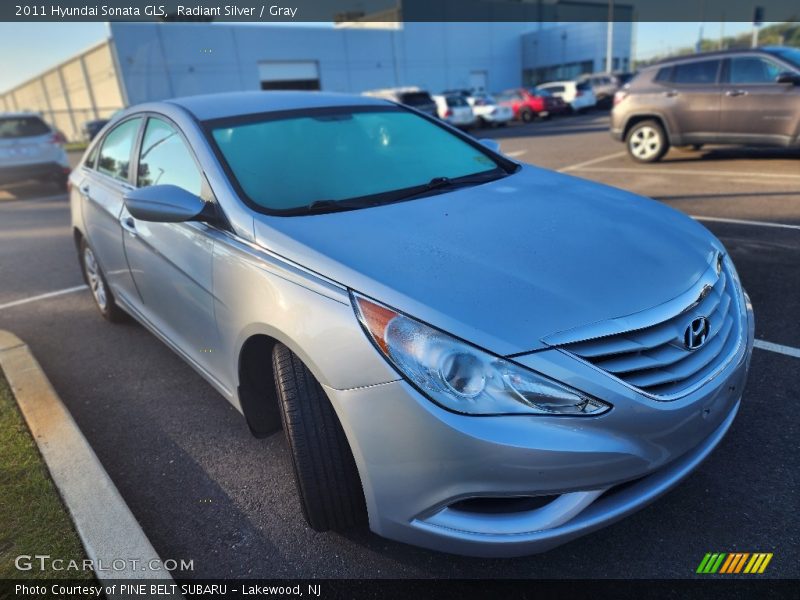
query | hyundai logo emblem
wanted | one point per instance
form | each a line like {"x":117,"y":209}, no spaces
{"x":696,"y":333}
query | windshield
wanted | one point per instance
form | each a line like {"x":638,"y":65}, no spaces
{"x":790,"y":55}
{"x":20,"y":127}
{"x":336,"y":155}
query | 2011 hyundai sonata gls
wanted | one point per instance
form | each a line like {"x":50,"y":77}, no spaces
{"x":478,"y":356}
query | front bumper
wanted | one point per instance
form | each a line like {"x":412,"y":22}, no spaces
{"x":418,"y":462}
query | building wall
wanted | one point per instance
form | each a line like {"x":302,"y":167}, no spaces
{"x":83,"y":88}
{"x":160,"y":61}
{"x":565,"y":50}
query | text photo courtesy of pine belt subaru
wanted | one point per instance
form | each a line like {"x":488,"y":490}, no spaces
{"x":749,"y":97}
{"x":470,"y":354}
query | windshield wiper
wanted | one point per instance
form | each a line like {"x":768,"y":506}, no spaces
{"x":435,"y":184}
{"x":446,"y":183}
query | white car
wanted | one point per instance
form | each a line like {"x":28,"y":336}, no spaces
{"x":578,"y":94}
{"x":31,"y":150}
{"x":488,"y":112}
{"x":455,"y":110}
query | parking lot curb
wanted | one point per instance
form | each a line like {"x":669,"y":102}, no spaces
{"x":105,"y":524}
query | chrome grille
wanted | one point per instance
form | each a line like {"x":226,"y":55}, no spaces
{"x":655,"y":358}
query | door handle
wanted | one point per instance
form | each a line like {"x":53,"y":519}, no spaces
{"x":84,"y":190}
{"x":732,"y":93}
{"x":671,"y":93}
{"x":128,"y":224}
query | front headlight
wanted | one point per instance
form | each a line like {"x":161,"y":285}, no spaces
{"x":461,"y":377}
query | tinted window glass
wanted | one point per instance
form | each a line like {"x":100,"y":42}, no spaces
{"x":19,"y":127}
{"x":697,"y":73}
{"x":753,"y":69}
{"x":291,"y":162}
{"x":90,"y":160}
{"x":583,"y":86}
{"x":456,"y":101}
{"x":165,"y":159}
{"x":556,"y":89}
{"x":416,"y":98}
{"x":664,"y":74}
{"x":115,"y":155}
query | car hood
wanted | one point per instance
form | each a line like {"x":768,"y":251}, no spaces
{"x":506,"y":263}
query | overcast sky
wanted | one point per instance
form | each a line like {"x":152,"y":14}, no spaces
{"x":29,"y":48}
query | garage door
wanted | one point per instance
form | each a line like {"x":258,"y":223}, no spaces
{"x":289,"y":75}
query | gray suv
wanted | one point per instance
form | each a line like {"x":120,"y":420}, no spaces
{"x":735,"y":97}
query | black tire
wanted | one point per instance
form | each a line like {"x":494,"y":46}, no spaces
{"x":62,"y":182}
{"x":697,"y":147}
{"x":324,"y":467}
{"x":96,"y":280}
{"x":647,"y":141}
{"x":526,"y":115}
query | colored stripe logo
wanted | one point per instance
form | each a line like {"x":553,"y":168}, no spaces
{"x":734,"y":563}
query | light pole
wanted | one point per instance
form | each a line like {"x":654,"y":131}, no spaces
{"x":610,"y":38}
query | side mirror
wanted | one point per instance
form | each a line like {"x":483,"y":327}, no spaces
{"x":491,"y":144}
{"x":164,"y":204}
{"x":788,"y":77}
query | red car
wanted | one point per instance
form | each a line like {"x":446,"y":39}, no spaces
{"x":531,"y":104}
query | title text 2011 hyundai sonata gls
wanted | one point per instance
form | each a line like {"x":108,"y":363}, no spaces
{"x":475,"y":355}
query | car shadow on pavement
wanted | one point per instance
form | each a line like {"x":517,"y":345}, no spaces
{"x":724,"y":153}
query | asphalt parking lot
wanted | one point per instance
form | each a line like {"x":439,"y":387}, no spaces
{"x":204,"y":489}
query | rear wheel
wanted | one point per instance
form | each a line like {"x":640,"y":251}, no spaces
{"x":526,"y":115}
{"x":103,"y":298}
{"x":647,"y":142}
{"x":325,"y":470}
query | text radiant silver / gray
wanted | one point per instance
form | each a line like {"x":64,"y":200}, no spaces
{"x":478,"y":356}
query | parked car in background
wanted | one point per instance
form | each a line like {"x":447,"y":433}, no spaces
{"x":604,"y":86}
{"x":485,"y":107}
{"x":455,"y":109}
{"x":30,"y":149}
{"x":527,"y":106}
{"x":578,"y":95}
{"x":624,"y":78}
{"x":754,"y":96}
{"x":92,"y":128}
{"x":554,"y":105}
{"x":410,"y":96}
{"x":431,"y":378}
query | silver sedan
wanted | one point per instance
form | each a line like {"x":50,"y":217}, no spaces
{"x":469,"y":354}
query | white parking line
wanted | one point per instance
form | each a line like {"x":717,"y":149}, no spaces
{"x":779,"y":348}
{"x":594,"y":161}
{"x":668,"y":171}
{"x":516,"y":153}
{"x":745,"y":222}
{"x":71,"y":290}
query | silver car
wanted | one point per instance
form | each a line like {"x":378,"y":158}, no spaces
{"x":471,"y":354}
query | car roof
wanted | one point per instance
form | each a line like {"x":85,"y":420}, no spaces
{"x":564,"y":82}
{"x":12,"y":115}
{"x":231,"y":104}
{"x":713,"y":54}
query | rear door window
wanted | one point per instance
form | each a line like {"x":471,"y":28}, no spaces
{"x":22,"y":127}
{"x":115,"y":154}
{"x":703,"y":72}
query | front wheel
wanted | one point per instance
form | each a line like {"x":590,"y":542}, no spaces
{"x":647,"y":142}
{"x":324,"y":467}
{"x":103,"y":298}
{"x":526,"y":115}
